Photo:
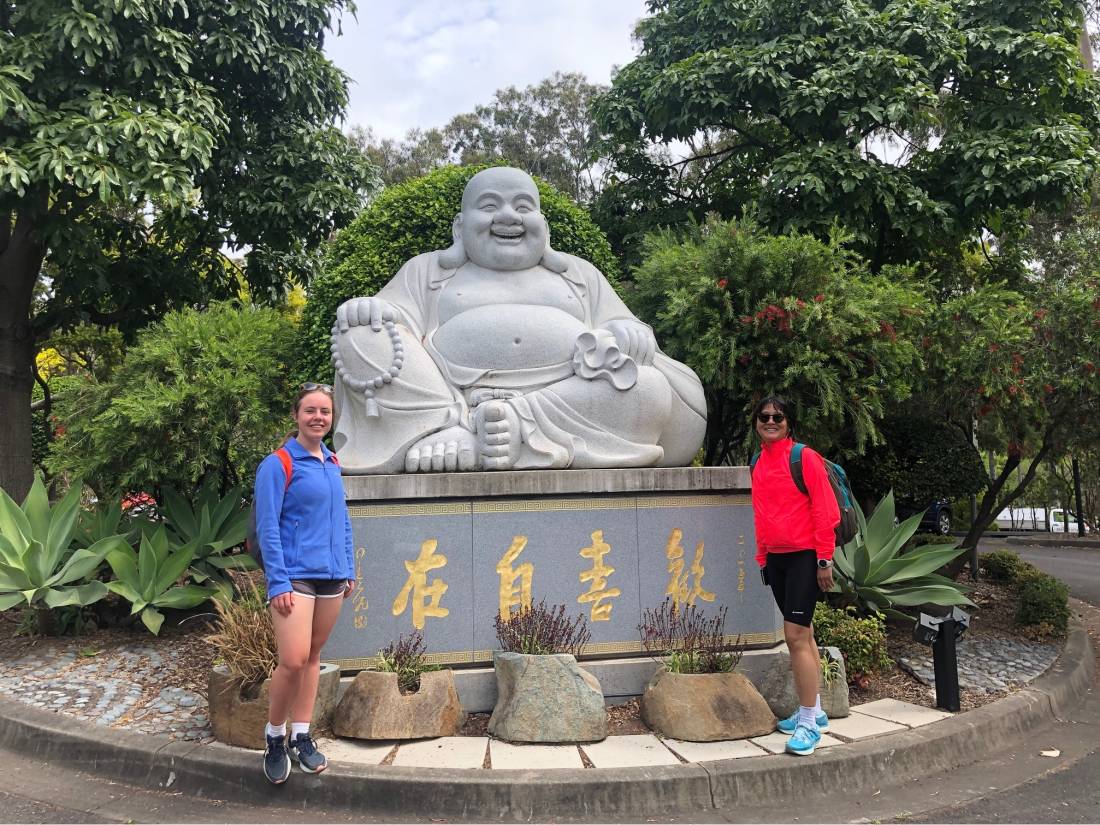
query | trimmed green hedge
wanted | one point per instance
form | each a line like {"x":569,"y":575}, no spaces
{"x":409,"y":219}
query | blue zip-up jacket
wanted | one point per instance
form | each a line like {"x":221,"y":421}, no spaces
{"x":306,"y":532}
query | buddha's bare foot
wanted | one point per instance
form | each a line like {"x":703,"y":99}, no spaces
{"x":451,"y":449}
{"x":498,"y":434}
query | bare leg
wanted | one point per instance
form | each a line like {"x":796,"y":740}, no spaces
{"x":292,"y":634}
{"x":325,"y":613}
{"x":805,"y":662}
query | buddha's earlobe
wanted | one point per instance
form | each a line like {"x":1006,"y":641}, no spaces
{"x":454,"y":256}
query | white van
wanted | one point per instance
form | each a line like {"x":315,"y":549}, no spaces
{"x":1022,"y":518}
{"x":1058,"y":524}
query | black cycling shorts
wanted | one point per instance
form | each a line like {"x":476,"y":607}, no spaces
{"x":793,"y":580}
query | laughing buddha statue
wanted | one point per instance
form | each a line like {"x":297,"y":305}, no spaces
{"x":500,"y":353}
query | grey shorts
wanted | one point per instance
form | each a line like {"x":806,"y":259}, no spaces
{"x":319,"y":588}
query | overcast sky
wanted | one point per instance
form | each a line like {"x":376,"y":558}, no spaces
{"x":419,"y":62}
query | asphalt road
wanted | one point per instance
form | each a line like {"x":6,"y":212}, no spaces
{"x":1079,"y":567}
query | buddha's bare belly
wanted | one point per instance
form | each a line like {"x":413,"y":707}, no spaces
{"x":508,"y":337}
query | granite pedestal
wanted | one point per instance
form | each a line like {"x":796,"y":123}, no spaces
{"x":445,"y":553}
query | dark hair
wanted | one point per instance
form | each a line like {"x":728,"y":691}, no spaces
{"x":781,"y":405}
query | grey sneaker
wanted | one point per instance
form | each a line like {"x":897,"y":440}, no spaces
{"x":276,"y":760}
{"x":304,"y":752}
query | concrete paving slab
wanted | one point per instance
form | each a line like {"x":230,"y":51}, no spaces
{"x":356,"y":751}
{"x":444,"y":752}
{"x":713,"y":751}
{"x":860,"y":726}
{"x":635,"y":750}
{"x":902,"y":713}
{"x":777,"y":742}
{"x":506,"y":756}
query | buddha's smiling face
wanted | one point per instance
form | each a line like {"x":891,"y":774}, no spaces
{"x":500,"y":223}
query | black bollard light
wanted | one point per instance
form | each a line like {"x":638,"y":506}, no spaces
{"x":942,"y":632}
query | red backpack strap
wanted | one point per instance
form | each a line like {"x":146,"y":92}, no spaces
{"x":335,"y":460}
{"x":288,"y":464}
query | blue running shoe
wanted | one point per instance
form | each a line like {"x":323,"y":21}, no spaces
{"x":305,"y":753}
{"x":791,"y":722}
{"x":803,"y":742}
{"x":276,"y":760}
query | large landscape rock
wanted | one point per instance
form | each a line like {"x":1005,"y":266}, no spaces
{"x":705,"y":707}
{"x":373,"y":707}
{"x":546,"y":699}
{"x":776,"y":685}
{"x":238,"y":718}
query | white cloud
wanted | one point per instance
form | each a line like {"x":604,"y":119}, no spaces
{"x":416,"y":64}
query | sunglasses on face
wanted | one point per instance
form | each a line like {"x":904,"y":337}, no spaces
{"x":777,"y":418}
{"x":309,"y":386}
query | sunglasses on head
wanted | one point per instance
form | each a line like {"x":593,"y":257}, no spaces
{"x":777,"y":418}
{"x":309,"y":386}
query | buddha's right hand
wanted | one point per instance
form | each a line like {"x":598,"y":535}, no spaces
{"x":359,"y":312}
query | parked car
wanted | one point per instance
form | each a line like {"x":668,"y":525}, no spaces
{"x":936,"y":519}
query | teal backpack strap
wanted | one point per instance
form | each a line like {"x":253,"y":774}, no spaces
{"x":796,"y":468}
{"x":752,"y":463}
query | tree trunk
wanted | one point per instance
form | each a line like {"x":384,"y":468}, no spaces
{"x":21,"y":257}
{"x":994,"y":501}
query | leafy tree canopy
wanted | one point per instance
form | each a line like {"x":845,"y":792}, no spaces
{"x":404,"y":221}
{"x":544,"y":129}
{"x":923,"y":458}
{"x":1023,"y":364}
{"x":913,"y":123}
{"x":756,"y":314}
{"x":142,"y":136}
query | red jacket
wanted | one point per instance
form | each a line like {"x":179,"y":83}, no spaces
{"x":786,"y":520}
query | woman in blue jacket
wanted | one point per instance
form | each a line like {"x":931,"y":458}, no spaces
{"x":305,"y":536}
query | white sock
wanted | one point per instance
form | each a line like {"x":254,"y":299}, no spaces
{"x":807,"y":717}
{"x":275,"y":730}
{"x":298,"y":727}
{"x":817,"y":704}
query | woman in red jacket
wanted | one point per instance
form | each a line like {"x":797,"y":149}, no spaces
{"x":795,"y":539}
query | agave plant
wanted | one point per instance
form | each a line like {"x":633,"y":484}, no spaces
{"x":149,"y":579}
{"x":106,"y":519}
{"x":214,"y":525}
{"x":38,"y":565}
{"x":876,"y":575}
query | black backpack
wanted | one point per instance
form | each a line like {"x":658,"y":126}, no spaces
{"x":848,"y":528}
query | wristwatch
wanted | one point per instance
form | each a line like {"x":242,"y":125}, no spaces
{"x":824,"y":564}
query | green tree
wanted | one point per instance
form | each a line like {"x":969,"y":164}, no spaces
{"x":201,"y":397}
{"x":1023,"y":365}
{"x":757,"y":314}
{"x":914,"y":123}
{"x":924,"y":457}
{"x":404,"y":221}
{"x":545,"y":129}
{"x":141,"y":137}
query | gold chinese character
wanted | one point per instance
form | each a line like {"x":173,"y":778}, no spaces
{"x":360,"y":621}
{"x":596,"y":576}
{"x":360,"y":602}
{"x":678,"y":580}
{"x":510,"y":595}
{"x":425,"y":597}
